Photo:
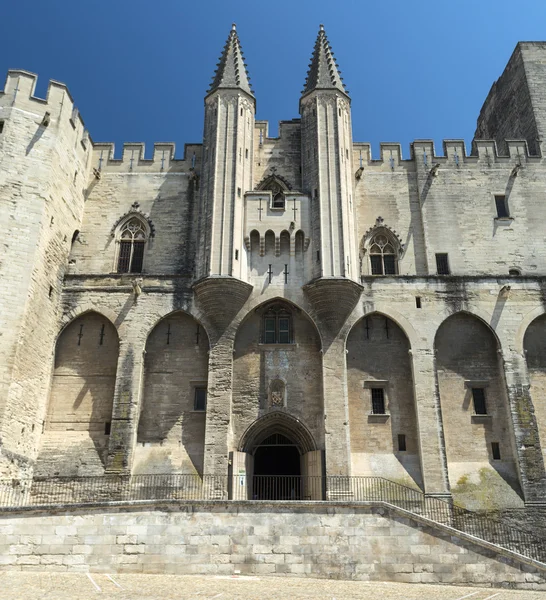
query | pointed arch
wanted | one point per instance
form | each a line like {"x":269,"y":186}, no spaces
{"x":171,"y":427}
{"x":382,"y":413}
{"x":475,"y":409}
{"x":274,"y":183}
{"x":84,"y":375}
{"x":134,"y":211}
{"x":281,"y":423}
{"x":534,"y":347}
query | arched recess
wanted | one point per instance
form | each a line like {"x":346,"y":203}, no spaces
{"x":171,"y":428}
{"x":79,"y":414}
{"x":383,"y":424}
{"x":534,"y":345}
{"x":292,"y":357}
{"x":475,"y":414}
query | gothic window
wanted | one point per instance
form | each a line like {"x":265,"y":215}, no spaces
{"x":382,"y":255}
{"x":132,"y":241}
{"x":277,"y":326}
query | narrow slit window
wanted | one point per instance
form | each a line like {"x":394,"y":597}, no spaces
{"x":107,"y":428}
{"x":200,"y":399}
{"x":495,"y":450}
{"x":442,"y":264}
{"x":1,"y":127}
{"x":502,"y":207}
{"x":378,"y":401}
{"x":418,"y":302}
{"x":401,"y":442}
{"x":478,"y":397}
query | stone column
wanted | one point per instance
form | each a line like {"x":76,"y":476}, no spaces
{"x":219,"y":392}
{"x":336,"y":409}
{"x":432,"y":450}
{"x":527,"y":449}
{"x":125,"y":412}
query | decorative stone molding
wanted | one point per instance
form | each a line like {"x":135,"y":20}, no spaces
{"x":381,"y":225}
{"x":134,"y":211}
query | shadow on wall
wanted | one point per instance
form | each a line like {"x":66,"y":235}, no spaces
{"x":81,"y":398}
{"x":383,"y":425}
{"x":170,"y":429}
{"x":479,"y":445}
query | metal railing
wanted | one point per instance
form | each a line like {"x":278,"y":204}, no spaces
{"x":103,"y":490}
{"x":110,"y":488}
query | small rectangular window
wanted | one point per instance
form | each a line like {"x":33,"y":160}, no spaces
{"x":478,"y":396}
{"x":377,"y":264}
{"x":107,"y":428}
{"x":401,"y":442}
{"x":418,"y":301}
{"x":269,"y":331}
{"x":378,"y":401}
{"x":1,"y":126}
{"x":200,"y":399}
{"x":502,"y":207}
{"x":495,"y":450}
{"x":239,"y":192}
{"x":442,"y":264}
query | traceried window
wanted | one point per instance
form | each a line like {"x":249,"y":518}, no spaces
{"x":132,"y":241}
{"x":277,"y":326}
{"x":382,"y":255}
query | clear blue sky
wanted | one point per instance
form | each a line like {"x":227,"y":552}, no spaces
{"x":139,"y":70}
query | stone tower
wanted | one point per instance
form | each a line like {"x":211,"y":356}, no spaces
{"x":325,"y":109}
{"x":227,"y":162}
{"x":44,"y":152}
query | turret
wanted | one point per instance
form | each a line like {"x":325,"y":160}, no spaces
{"x":325,"y":108}
{"x":227,"y":163}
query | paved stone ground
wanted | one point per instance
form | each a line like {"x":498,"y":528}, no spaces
{"x":81,"y":586}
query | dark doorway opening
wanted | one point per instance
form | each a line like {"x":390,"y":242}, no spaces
{"x":277,"y":474}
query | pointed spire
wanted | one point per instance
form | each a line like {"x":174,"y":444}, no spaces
{"x":323,"y":70}
{"x":231,"y":70}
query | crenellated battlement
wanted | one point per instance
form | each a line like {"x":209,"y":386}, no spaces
{"x":423,"y":155}
{"x":133,"y":158}
{"x":19,"y":90}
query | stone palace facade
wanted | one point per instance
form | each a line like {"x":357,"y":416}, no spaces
{"x":278,"y":306}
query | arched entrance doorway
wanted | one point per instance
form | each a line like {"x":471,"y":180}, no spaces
{"x":277,"y":469}
{"x":277,"y":460}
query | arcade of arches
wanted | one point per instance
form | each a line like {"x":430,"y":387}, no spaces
{"x":277,"y":382}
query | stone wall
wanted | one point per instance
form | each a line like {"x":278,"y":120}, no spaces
{"x":44,"y":151}
{"x":171,"y":433}
{"x":378,"y":356}
{"x":534,"y":344}
{"x":343,"y":542}
{"x":466,"y":355}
